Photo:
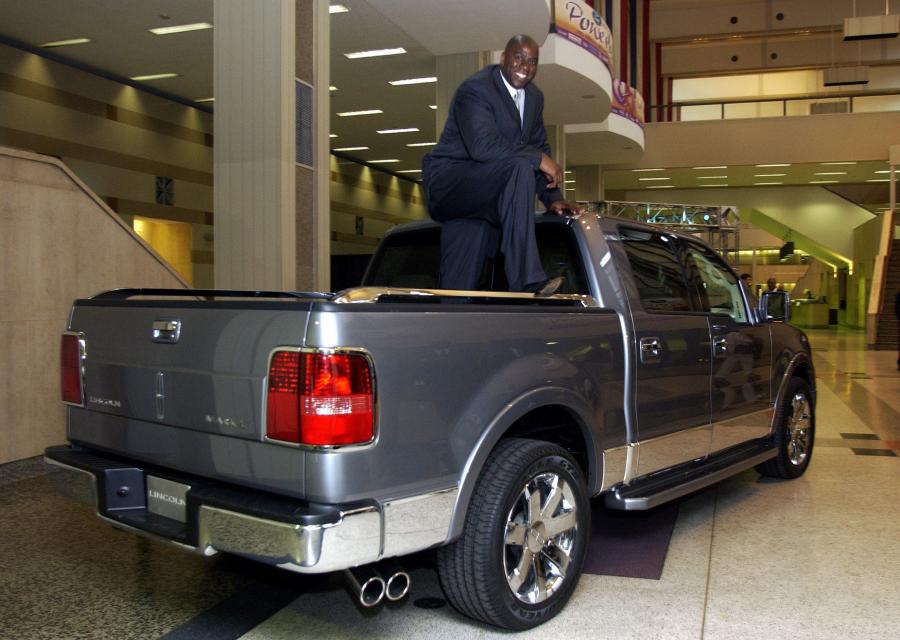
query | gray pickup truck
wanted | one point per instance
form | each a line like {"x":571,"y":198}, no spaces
{"x":324,"y":432}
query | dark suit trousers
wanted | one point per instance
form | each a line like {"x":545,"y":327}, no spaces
{"x":475,"y":200}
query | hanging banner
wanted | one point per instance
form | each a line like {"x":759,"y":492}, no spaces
{"x":578,"y":22}
{"x":628,"y":103}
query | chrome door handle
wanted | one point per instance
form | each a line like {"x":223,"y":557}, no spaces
{"x":650,"y":349}
{"x":720,"y":344}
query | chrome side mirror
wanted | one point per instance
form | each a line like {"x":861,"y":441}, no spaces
{"x":775,"y":306}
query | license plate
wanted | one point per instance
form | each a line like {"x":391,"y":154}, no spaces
{"x":166,"y":498}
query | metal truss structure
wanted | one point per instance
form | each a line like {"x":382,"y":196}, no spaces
{"x":718,"y":226}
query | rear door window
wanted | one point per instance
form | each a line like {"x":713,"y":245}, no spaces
{"x":657,"y":272}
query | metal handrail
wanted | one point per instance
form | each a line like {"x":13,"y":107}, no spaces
{"x":660,"y":109}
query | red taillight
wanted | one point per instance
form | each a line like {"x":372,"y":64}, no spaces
{"x":70,"y":368}
{"x":320,"y":399}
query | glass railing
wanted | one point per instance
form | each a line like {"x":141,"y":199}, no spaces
{"x":831,"y":103}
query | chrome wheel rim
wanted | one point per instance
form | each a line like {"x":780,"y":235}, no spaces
{"x":541,"y":528}
{"x":798,"y":428}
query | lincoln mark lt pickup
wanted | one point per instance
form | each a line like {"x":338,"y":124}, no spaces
{"x":324,"y":432}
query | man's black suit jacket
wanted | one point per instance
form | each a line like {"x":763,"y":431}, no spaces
{"x":483,"y":125}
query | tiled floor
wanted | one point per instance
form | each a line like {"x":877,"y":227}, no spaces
{"x":818,"y":557}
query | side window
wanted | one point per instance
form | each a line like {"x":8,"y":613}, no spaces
{"x":660,"y":280}
{"x":560,"y":256}
{"x":718,"y":290}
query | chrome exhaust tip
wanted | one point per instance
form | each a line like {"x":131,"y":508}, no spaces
{"x":397,"y":581}
{"x":367,"y":585}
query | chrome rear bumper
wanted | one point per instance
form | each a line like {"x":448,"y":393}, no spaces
{"x":345,"y":537}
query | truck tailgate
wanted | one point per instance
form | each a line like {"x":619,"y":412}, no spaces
{"x":203,"y":393}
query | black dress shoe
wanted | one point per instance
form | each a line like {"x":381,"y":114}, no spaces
{"x":546,"y":288}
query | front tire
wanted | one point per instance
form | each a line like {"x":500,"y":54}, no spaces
{"x":795,"y":430}
{"x":524,"y":539}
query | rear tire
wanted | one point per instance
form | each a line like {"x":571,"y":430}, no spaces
{"x":795,"y":430}
{"x":524,"y":538}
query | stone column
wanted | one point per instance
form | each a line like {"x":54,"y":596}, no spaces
{"x":589,"y":183}
{"x":451,"y":70}
{"x":271,"y":213}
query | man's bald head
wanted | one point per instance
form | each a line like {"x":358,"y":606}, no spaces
{"x":519,"y":60}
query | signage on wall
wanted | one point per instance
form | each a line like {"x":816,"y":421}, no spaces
{"x":578,"y":22}
{"x":628,"y":103}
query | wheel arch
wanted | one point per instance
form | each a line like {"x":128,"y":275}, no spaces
{"x":550,"y":414}
{"x":798,"y":366}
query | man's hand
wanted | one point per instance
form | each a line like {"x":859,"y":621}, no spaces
{"x":551,"y":170}
{"x":560,"y":207}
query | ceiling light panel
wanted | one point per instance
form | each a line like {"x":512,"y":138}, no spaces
{"x":350,"y":149}
{"x":421,"y":144}
{"x":180,"y":28}
{"x":64,"y":43}
{"x":771,"y":165}
{"x":648,"y":179}
{"x":398,"y":83}
{"x":704,"y":168}
{"x":374,"y":53}
{"x":769,"y":175}
{"x":640,"y":170}
{"x":154,"y":76}
{"x":711,"y":177}
{"x":404,"y":130}
{"x":337,"y":8}
{"x":385,"y":161}
{"x":364,"y":112}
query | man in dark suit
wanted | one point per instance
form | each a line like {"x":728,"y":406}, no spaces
{"x":481,"y":179}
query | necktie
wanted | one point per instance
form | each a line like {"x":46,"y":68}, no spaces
{"x":519,"y":100}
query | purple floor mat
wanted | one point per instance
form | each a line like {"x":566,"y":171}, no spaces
{"x":631,"y":544}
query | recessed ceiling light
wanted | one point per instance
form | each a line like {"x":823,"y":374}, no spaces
{"x":374,"y":53}
{"x":762,"y":183}
{"x":421,"y":144}
{"x":155,"y":76}
{"x":366,"y":112}
{"x":567,"y":172}
{"x":823,"y":182}
{"x":647,"y":179}
{"x":711,"y":177}
{"x":406,"y":130}
{"x":831,"y":173}
{"x":385,"y":161}
{"x":701,"y":168}
{"x":64,"y":43}
{"x":638,"y":170}
{"x":332,"y":135}
{"x":204,"y":100}
{"x":568,"y":182}
{"x":350,"y":148}
{"x":768,"y":175}
{"x":773,"y":165}
{"x":713,"y":185}
{"x":836,"y":163}
{"x":433,"y":107}
{"x":180,"y":28}
{"x":410,"y":171}
{"x":661,"y":186}
{"x":337,"y":8}
{"x":883,"y":171}
{"x":332,"y":88}
{"x":398,"y":83}
{"x":879,"y":180}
